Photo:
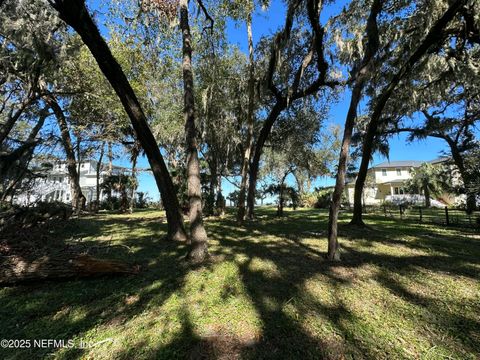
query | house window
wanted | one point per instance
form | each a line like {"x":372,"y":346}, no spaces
{"x":384,"y":172}
{"x":396,"y":190}
{"x":399,"y":172}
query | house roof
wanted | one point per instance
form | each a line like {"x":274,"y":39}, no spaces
{"x":402,"y":163}
{"x":408,"y":163}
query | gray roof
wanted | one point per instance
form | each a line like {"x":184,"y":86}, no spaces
{"x":408,"y":163}
{"x":403,"y":163}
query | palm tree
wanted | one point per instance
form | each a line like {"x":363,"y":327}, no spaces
{"x":121,"y":184}
{"x":427,"y":178}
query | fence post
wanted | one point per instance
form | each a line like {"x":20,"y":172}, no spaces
{"x":421,"y":215}
{"x":446,"y":216}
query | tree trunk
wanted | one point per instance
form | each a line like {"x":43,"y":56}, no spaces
{"x":97,"y":178}
{"x":135,"y":154}
{"x":255,"y":163}
{"x":23,"y":154}
{"x":333,"y":253}
{"x":433,"y":38}
{"x":220,"y":202}
{"x":426,"y":193}
{"x":13,"y":117}
{"x":25,"y":151}
{"x":471,"y":202}
{"x":250,"y":124}
{"x":15,"y":269}
{"x":198,"y":235}
{"x":210,"y":202}
{"x":110,"y":172}
{"x":75,"y":14}
{"x":83,"y":200}
{"x":77,"y":195}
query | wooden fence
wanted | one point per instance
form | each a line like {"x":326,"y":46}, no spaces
{"x":445,"y":216}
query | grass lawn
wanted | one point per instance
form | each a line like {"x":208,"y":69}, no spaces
{"x":401,"y":291}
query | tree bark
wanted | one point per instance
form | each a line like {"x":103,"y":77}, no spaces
{"x":433,"y":38}
{"x":97,"y":178}
{"x":13,"y":117}
{"x":75,"y":14}
{"x":471,"y":202}
{"x":250,"y":124}
{"x":282,"y":101}
{"x":77,"y":195}
{"x":198,"y":235}
{"x":135,"y":153}
{"x":426,"y":193}
{"x":255,"y":163}
{"x":83,"y":200}
{"x":15,"y":269}
{"x":361,"y":76}
{"x":24,"y":152}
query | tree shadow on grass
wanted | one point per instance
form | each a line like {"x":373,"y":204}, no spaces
{"x":279,"y":295}
{"x":296,"y":262}
{"x":68,"y":309}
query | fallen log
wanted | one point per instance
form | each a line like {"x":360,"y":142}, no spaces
{"x":15,"y":269}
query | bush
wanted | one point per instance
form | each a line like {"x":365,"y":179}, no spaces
{"x":324,"y":196}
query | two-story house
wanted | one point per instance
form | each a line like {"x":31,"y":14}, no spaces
{"x":55,"y":186}
{"x":387,"y":182}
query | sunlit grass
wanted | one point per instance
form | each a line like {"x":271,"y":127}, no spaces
{"x":401,"y":291}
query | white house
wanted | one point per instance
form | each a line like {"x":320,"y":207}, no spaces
{"x":55,"y":186}
{"x":387,"y":182}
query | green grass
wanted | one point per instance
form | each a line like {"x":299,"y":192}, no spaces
{"x":401,"y":291}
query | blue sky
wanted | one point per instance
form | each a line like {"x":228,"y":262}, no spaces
{"x":265,"y":23}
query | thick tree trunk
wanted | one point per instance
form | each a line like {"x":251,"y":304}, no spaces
{"x":433,"y":38}
{"x":75,"y":14}
{"x":97,"y":178}
{"x":250,"y":124}
{"x":198,"y":235}
{"x":255,"y":163}
{"x":471,"y":202}
{"x":77,"y":195}
{"x":333,"y":253}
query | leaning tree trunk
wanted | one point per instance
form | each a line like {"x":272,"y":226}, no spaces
{"x":77,"y":195}
{"x":23,"y":155}
{"x":198,"y":235}
{"x":75,"y":14}
{"x":255,"y":163}
{"x":361,"y":77}
{"x":13,"y":116}
{"x":250,"y":123}
{"x":433,"y":38}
